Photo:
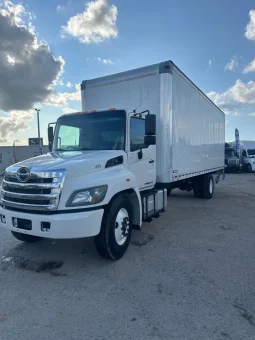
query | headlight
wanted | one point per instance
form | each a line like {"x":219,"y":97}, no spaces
{"x":88,"y":196}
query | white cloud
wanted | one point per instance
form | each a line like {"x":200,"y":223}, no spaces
{"x":15,"y":11}
{"x":233,"y":64}
{"x":210,"y":63}
{"x":243,"y":93}
{"x":10,"y":125}
{"x":252,"y":114}
{"x":20,"y":141}
{"x":28,"y":68}
{"x":250,"y":28}
{"x":104,"y":61}
{"x":96,"y":24}
{"x":69,"y":110}
{"x":223,"y":101}
{"x":59,"y":82}
{"x":107,"y":61}
{"x":250,"y":67}
{"x":68,"y":84}
{"x":60,"y":8}
{"x":235,"y":98}
{"x":10,"y":59}
{"x":14,"y":122}
{"x":63,"y":98}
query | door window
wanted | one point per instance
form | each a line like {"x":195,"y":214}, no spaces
{"x":244,"y":153}
{"x":137,"y":133}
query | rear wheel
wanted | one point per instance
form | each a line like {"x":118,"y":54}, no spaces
{"x":203,"y":186}
{"x":198,"y":187}
{"x":25,"y":237}
{"x":114,"y":237}
{"x":208,"y":188}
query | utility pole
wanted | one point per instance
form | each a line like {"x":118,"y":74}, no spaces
{"x":38,"y":127}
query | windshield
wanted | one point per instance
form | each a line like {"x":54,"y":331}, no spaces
{"x":91,"y":131}
{"x":251,"y":152}
{"x":229,"y":153}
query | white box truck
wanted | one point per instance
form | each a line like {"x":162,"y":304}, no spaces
{"x":140,"y":134}
{"x":247,"y":154}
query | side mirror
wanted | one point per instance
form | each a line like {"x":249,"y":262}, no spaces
{"x":150,"y":125}
{"x":150,"y":140}
{"x":50,"y":137}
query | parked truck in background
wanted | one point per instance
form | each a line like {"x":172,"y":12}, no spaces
{"x":232,"y":161}
{"x":140,"y":133}
{"x":247,"y":154}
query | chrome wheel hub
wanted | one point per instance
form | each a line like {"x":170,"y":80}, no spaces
{"x":122,"y":226}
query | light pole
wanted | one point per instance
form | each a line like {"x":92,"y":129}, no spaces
{"x":14,"y":152}
{"x":38,"y":127}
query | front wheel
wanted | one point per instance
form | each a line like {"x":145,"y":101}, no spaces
{"x":249,"y":168}
{"x":114,"y":237}
{"x":25,"y":237}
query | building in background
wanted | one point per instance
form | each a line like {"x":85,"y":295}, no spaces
{"x":13,"y":154}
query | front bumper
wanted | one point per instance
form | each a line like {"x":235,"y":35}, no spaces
{"x":62,"y":226}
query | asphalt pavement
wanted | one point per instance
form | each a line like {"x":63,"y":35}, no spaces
{"x":188,"y":275}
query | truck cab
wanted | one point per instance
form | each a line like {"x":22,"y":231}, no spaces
{"x":247,"y":155}
{"x":119,"y":134}
{"x":101,"y":163}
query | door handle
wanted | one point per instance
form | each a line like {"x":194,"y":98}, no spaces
{"x":151,"y":161}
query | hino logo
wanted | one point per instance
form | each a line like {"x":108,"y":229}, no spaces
{"x":23,"y":175}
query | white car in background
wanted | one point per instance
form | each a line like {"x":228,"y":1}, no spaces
{"x":247,"y":155}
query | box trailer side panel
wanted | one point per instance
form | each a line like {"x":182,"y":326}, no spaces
{"x":198,"y":130}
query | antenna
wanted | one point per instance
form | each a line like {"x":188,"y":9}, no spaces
{"x":145,"y":98}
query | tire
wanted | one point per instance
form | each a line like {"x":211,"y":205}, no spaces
{"x":169,"y":192}
{"x":111,"y":242}
{"x":208,"y":187}
{"x":249,"y":168}
{"x":198,"y":187}
{"x":25,"y":237}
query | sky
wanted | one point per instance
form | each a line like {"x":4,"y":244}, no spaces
{"x":48,"y":47}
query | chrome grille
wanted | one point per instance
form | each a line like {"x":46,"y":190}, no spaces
{"x":233,"y":162}
{"x":40,"y":192}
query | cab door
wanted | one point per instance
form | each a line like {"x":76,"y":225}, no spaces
{"x":141,"y":157}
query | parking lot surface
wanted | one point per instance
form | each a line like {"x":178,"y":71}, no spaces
{"x":188,"y":275}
